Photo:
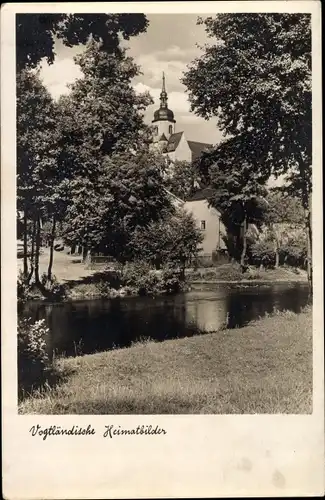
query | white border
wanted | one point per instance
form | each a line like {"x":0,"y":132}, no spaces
{"x":200,"y":455}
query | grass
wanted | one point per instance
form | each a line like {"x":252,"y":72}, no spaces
{"x":265,"y":367}
{"x":232,"y":272}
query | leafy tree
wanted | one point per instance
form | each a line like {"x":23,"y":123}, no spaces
{"x":173,"y":240}
{"x":127,"y":194}
{"x":256,"y":78}
{"x":102,"y":115}
{"x":36,"y":161}
{"x":35,"y":33}
{"x":183,"y":179}
{"x":237,"y":190}
{"x":104,"y":153}
{"x":283,"y":216}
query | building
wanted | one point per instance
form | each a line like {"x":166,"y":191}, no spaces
{"x":172,"y":144}
{"x":176,"y":147}
{"x":209,"y":222}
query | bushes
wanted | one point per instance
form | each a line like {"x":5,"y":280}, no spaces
{"x":294,"y":255}
{"x":262,"y":253}
{"x":33,"y":361}
{"x":144,"y":280}
{"x":52,"y":288}
{"x":23,"y":289}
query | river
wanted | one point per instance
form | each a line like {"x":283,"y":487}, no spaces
{"x":87,"y":326}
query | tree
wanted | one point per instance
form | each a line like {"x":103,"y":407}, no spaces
{"x":283,"y":216}
{"x":103,"y":136}
{"x":237,"y":190}
{"x":36,"y":161}
{"x":127,"y":195}
{"x":36,"y":33}
{"x":103,"y":114}
{"x":183,"y":179}
{"x":172,"y":240}
{"x":256,"y":78}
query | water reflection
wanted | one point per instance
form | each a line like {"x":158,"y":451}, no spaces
{"x":96,"y":325}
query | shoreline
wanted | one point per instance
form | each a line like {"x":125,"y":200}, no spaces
{"x":72,"y":297}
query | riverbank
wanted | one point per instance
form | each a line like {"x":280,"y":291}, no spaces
{"x":265,"y":367}
{"x":232,"y":273}
{"x":80,"y":283}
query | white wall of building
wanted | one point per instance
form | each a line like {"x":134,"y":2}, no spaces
{"x":163,"y":128}
{"x":214,"y":228}
{"x":183,"y":151}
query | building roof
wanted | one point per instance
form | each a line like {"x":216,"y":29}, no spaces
{"x":202,"y":194}
{"x":197,"y":148}
{"x":163,"y":137}
{"x":163,"y":113}
{"x":174,"y":141}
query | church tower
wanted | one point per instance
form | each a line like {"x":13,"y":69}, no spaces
{"x":163,"y":121}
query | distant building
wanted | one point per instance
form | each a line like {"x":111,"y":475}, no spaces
{"x":209,"y":222}
{"x":175,"y":146}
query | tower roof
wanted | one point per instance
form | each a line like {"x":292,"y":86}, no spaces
{"x":163,"y":113}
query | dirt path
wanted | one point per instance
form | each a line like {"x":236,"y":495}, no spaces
{"x":65,"y":267}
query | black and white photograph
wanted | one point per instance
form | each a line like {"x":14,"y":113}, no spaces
{"x":166,"y":265}
{"x":164,"y":239}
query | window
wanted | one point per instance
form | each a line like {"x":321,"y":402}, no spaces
{"x":203,"y":226}
{"x":155,"y":130}
{"x":170,"y":129}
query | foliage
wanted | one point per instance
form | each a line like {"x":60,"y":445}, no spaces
{"x":33,"y":360}
{"x":38,"y":178}
{"x":103,"y":114}
{"x":256,"y":78}
{"x":283,"y":208}
{"x":23,"y":289}
{"x":36,"y":145}
{"x":294,"y":254}
{"x":114,"y":182}
{"x":182,"y":179}
{"x":263,"y":253}
{"x":237,"y":190}
{"x":127,"y":195}
{"x":60,"y":143}
{"x":145,"y":280}
{"x":173,"y":239}
{"x":36,"y":33}
{"x":52,"y":288}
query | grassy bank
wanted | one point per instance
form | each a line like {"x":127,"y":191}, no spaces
{"x":265,"y":367}
{"x":232,"y":273}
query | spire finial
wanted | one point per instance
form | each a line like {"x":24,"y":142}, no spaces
{"x":163,"y":94}
{"x":163,"y":85}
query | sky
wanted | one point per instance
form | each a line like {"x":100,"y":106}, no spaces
{"x":169,"y":45}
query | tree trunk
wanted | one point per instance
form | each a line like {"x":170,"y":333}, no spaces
{"x":32,"y":255}
{"x":277,"y":257}
{"x":25,"y":246}
{"x":52,"y":238}
{"x":243,"y":254}
{"x":84,"y":253}
{"x":37,"y":249}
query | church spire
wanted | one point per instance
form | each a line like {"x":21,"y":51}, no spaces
{"x":163,"y":85}
{"x":163,"y":94}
